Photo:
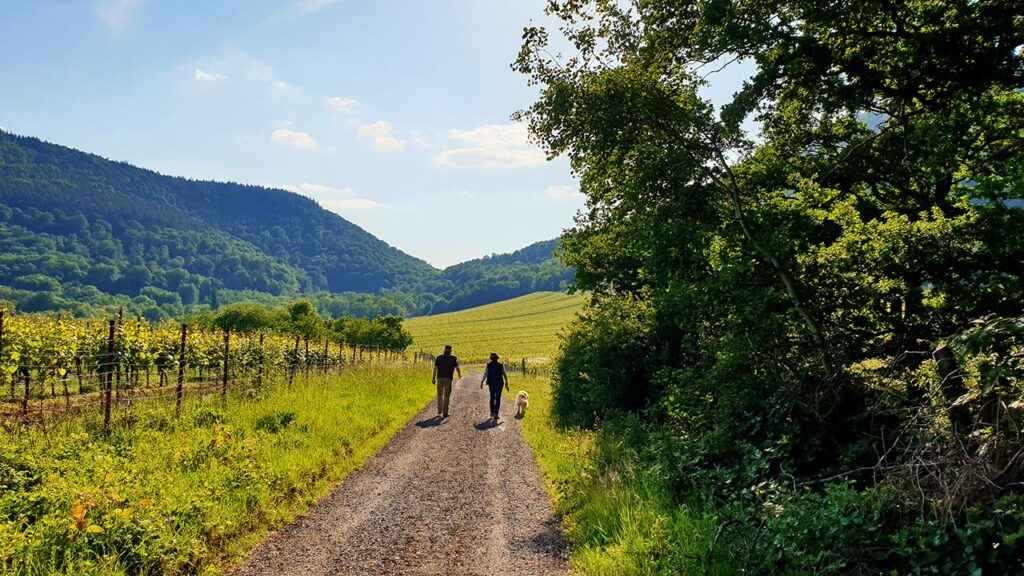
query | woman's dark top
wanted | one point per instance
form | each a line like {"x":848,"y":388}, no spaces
{"x":495,"y":371}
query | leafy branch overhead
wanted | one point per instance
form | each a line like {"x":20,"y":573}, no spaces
{"x":856,"y":202}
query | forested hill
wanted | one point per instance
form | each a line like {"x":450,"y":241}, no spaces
{"x":503,"y":276}
{"x":78,"y":230}
{"x":279,"y":241}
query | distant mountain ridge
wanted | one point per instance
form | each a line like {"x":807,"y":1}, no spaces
{"x":77,"y":227}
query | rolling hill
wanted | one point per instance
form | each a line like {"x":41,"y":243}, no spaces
{"x":523,"y":327}
{"x":78,"y":232}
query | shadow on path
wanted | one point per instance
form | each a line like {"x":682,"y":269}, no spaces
{"x":430,"y":422}
{"x":487,"y":424}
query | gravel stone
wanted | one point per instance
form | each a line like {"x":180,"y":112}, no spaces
{"x":458,"y":496}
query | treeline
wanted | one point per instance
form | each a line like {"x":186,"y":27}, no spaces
{"x":301,"y":318}
{"x":503,"y":276}
{"x":80,"y":233}
{"x":803,"y":347}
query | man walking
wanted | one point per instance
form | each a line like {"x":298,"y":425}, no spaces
{"x":445,"y":366}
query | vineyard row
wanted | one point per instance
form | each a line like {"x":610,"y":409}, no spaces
{"x":57,"y":366}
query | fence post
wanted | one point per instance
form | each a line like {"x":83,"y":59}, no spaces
{"x":109,"y":377}
{"x":295,"y":363}
{"x":305,"y":358}
{"x":327,"y":353}
{"x":224,"y":377}
{"x":27,"y":373}
{"x":117,"y":366}
{"x":341,"y":353}
{"x":2,"y":351}
{"x":181,"y":372}
{"x":259,"y":370}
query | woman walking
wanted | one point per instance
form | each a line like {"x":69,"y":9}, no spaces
{"x":495,"y":376}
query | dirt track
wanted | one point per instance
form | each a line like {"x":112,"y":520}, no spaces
{"x":458,"y":496}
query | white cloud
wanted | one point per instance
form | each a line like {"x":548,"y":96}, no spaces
{"x":492,"y":146}
{"x":380,"y":133}
{"x":463,"y":193}
{"x":316,"y":190}
{"x":303,"y":7}
{"x":237,"y":66}
{"x":352,"y":204}
{"x":346,"y":106}
{"x":559,"y":192}
{"x":119,"y":15}
{"x":336,"y":199}
{"x":419,"y":141}
{"x":294,"y":139}
{"x":209,"y":77}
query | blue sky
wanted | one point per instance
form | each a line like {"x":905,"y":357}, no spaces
{"x":394,"y":114}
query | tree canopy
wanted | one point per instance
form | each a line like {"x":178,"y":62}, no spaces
{"x":855,"y":202}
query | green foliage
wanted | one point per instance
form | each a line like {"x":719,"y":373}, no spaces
{"x":791,"y":285}
{"x":620,"y":515}
{"x":243,"y":317}
{"x":504,"y":276}
{"x":89,"y":233}
{"x":189,"y":496}
{"x":602,"y":367}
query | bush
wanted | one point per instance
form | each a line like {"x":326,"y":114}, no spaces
{"x":601,"y":371}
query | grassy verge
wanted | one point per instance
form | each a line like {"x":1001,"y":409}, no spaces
{"x":618,"y":516}
{"x":189,"y":496}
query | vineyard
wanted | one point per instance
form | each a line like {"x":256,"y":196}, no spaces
{"x":135,"y":448}
{"x":521,"y":328}
{"x":52,"y":366}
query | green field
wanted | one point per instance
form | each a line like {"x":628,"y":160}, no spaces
{"x":524,"y":327}
{"x":161,"y":495}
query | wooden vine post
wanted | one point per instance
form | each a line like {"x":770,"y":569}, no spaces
{"x":224,"y":374}
{"x":295,"y":361}
{"x":108,"y":376}
{"x":117,"y":366}
{"x":2,"y":346}
{"x":181,"y":371}
{"x":259,"y":369}
{"x":26,"y":373}
{"x":305,"y":358}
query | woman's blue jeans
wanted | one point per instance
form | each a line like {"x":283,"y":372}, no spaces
{"x":495,"y":398}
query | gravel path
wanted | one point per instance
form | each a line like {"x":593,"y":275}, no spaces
{"x":458,"y":496}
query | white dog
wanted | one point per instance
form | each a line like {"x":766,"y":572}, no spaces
{"x":522,"y":403}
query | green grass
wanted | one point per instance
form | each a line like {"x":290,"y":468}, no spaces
{"x":190,"y":496}
{"x":524,"y":327}
{"x":618,"y":518}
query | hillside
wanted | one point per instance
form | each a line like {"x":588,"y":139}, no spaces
{"x":523,"y":327}
{"x":503,"y":276}
{"x":122,"y":229}
{"x":80,"y":232}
